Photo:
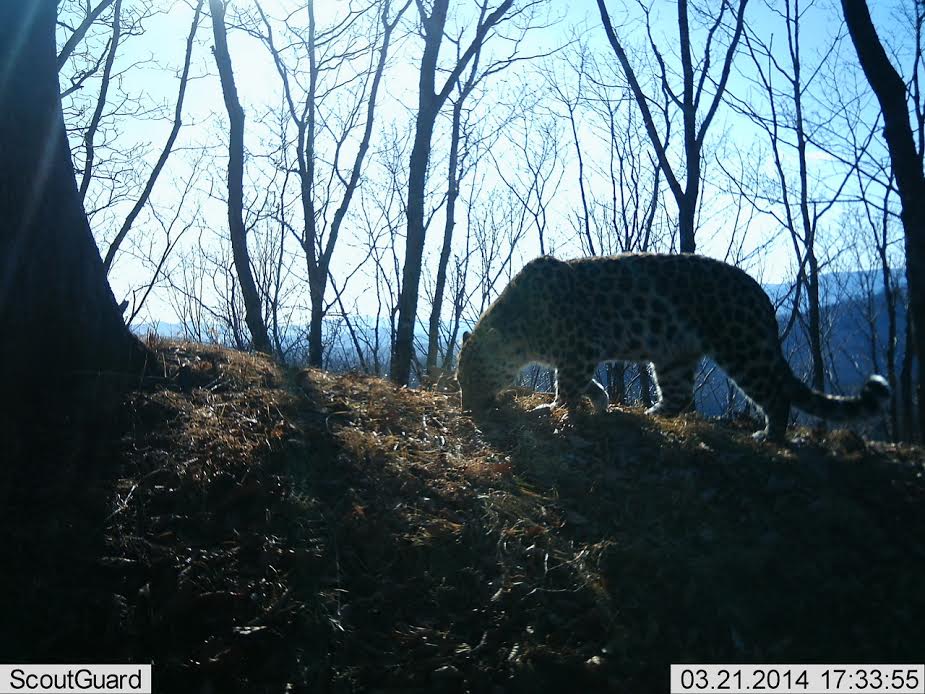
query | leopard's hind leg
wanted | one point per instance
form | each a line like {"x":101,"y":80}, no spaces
{"x":765,"y":384}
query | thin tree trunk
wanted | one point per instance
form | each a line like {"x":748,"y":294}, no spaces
{"x":889,"y":294}
{"x":645,"y":384}
{"x":809,"y":230}
{"x":616,"y":382}
{"x":586,"y":214}
{"x":317,"y":280}
{"x":428,"y":107}
{"x":687,"y":204}
{"x":252,"y":306}
{"x":433,"y":336}
{"x":814,"y":314}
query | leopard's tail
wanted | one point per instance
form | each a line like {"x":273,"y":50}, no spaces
{"x":839,"y":408}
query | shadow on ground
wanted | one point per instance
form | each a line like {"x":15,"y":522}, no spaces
{"x":711,"y":548}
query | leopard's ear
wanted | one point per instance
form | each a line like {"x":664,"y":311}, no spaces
{"x":466,"y":335}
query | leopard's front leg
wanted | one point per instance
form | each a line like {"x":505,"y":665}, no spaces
{"x":572,"y":384}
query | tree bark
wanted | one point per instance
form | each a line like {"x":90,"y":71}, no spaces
{"x":907,"y":167}
{"x":253,"y":315}
{"x":60,"y":323}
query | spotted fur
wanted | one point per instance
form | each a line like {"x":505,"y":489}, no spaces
{"x":668,"y":309}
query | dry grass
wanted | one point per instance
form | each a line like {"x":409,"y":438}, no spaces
{"x":274,"y":531}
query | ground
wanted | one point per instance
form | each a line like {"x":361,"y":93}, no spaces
{"x":248,"y":528}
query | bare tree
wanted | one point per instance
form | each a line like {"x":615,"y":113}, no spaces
{"x":629,"y":215}
{"x":456,"y":169}
{"x":242,"y":263}
{"x":906,"y":159}
{"x":102,"y":101}
{"x":154,"y":251}
{"x":618,"y":177}
{"x":90,"y":134}
{"x":431,"y":99}
{"x":536,"y":143}
{"x":570,"y":96}
{"x":688,"y":102}
{"x":380,"y":220}
{"x":165,"y":152}
{"x":466,"y":146}
{"x":800,"y":200}
{"x":328,"y":51}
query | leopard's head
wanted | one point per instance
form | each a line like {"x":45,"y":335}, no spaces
{"x":484,"y":368}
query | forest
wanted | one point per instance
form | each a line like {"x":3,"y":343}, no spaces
{"x":351,"y":185}
{"x":241,"y":243}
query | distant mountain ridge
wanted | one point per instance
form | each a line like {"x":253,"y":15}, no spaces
{"x":836,"y":286}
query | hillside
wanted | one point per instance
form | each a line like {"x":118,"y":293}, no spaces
{"x":270,"y":531}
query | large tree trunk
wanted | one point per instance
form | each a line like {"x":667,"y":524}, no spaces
{"x":253,"y":315}
{"x":60,"y":324}
{"x":907,"y":167}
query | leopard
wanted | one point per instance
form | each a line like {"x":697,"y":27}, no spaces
{"x":670,"y":310}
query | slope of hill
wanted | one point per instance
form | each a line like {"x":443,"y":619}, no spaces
{"x":276,"y":531}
